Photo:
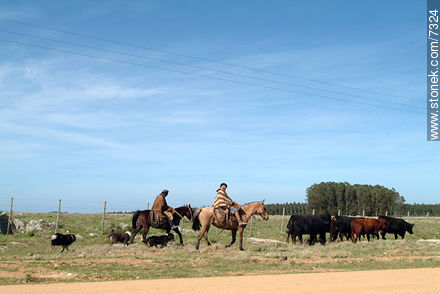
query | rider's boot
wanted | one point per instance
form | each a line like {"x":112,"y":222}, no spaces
{"x":172,"y":226}
{"x":240,"y":221}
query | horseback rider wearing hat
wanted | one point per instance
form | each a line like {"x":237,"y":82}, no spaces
{"x":161,"y":208}
{"x":222,"y":200}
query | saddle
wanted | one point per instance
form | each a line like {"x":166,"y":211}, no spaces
{"x":156,"y":221}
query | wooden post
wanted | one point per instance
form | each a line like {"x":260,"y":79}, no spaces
{"x":408,"y":213}
{"x":58,"y":216}
{"x":148,"y":205}
{"x":313,"y":211}
{"x":339,"y":212}
{"x":363,"y":212}
{"x":10,"y":216}
{"x":282,"y":219}
{"x":103,"y":216}
{"x":386,"y":213}
{"x":250,"y":227}
{"x":427,"y":224}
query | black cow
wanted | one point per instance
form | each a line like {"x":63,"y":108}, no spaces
{"x":62,"y":240}
{"x":396,"y":226}
{"x":341,"y":225}
{"x":313,"y":225}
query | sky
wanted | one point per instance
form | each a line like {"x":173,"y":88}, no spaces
{"x":117,"y":100}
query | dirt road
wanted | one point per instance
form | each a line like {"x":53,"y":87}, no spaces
{"x":385,"y":281}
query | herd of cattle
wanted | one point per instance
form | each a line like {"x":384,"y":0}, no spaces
{"x":317,"y":226}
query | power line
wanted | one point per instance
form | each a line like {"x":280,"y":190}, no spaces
{"x":205,"y":76}
{"x":201,"y":67}
{"x":203,"y":59}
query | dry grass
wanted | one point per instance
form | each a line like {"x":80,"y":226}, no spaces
{"x":26,"y":259}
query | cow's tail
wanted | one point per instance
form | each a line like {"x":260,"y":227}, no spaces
{"x":134,"y":219}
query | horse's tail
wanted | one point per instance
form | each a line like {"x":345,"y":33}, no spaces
{"x":196,"y":222}
{"x":135,"y":218}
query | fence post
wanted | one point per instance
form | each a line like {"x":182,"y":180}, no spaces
{"x":58,"y":216}
{"x":148,"y":205}
{"x":386,"y":213}
{"x":103,"y":216}
{"x":10,"y":216}
{"x":408,"y":213}
{"x":313,"y":211}
{"x":250,"y":228}
{"x":363,"y":212}
{"x":339,"y":212}
{"x":282,"y":219}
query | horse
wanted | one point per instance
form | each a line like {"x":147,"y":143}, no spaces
{"x":206,"y":217}
{"x":140,"y":220}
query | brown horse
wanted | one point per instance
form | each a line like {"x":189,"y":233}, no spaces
{"x":140,"y":220}
{"x":206,"y":217}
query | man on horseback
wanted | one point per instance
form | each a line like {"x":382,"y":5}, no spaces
{"x":223,"y":201}
{"x":161,"y":208}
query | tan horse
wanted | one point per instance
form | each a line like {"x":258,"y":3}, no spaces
{"x":206,"y":217}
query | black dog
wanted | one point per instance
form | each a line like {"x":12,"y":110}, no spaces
{"x":62,"y":240}
{"x":119,"y":237}
{"x":159,"y":240}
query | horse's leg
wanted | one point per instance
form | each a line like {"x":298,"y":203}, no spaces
{"x":234,"y":235}
{"x":144,"y":234}
{"x":240,"y":232}
{"x":179,"y":234}
{"x":205,"y":235}
{"x":138,"y":228}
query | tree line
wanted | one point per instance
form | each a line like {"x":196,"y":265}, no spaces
{"x":348,"y":199}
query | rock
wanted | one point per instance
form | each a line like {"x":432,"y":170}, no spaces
{"x":434,"y":241}
{"x":123,"y":225}
{"x":19,"y":225}
{"x":93,"y":235}
{"x":33,"y":225}
{"x":267,"y":241}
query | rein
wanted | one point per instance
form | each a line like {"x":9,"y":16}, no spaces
{"x":190,"y":212}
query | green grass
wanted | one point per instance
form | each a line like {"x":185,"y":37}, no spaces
{"x":27,"y":259}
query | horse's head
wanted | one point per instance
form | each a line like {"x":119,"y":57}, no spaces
{"x":188,"y":212}
{"x":262,"y":211}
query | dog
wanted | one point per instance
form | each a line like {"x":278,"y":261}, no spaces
{"x":62,"y":240}
{"x":159,"y":240}
{"x":119,"y":237}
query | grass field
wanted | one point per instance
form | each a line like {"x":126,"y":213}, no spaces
{"x":26,"y":258}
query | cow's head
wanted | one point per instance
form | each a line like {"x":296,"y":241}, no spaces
{"x":383,"y":224}
{"x":410,"y":228}
{"x":334,"y":228}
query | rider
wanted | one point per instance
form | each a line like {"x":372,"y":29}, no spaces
{"x":222,"y":200}
{"x":162,"y":209}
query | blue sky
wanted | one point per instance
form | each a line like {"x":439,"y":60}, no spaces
{"x":89,"y":129}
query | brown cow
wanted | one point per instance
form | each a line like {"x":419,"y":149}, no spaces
{"x":366,"y":226}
